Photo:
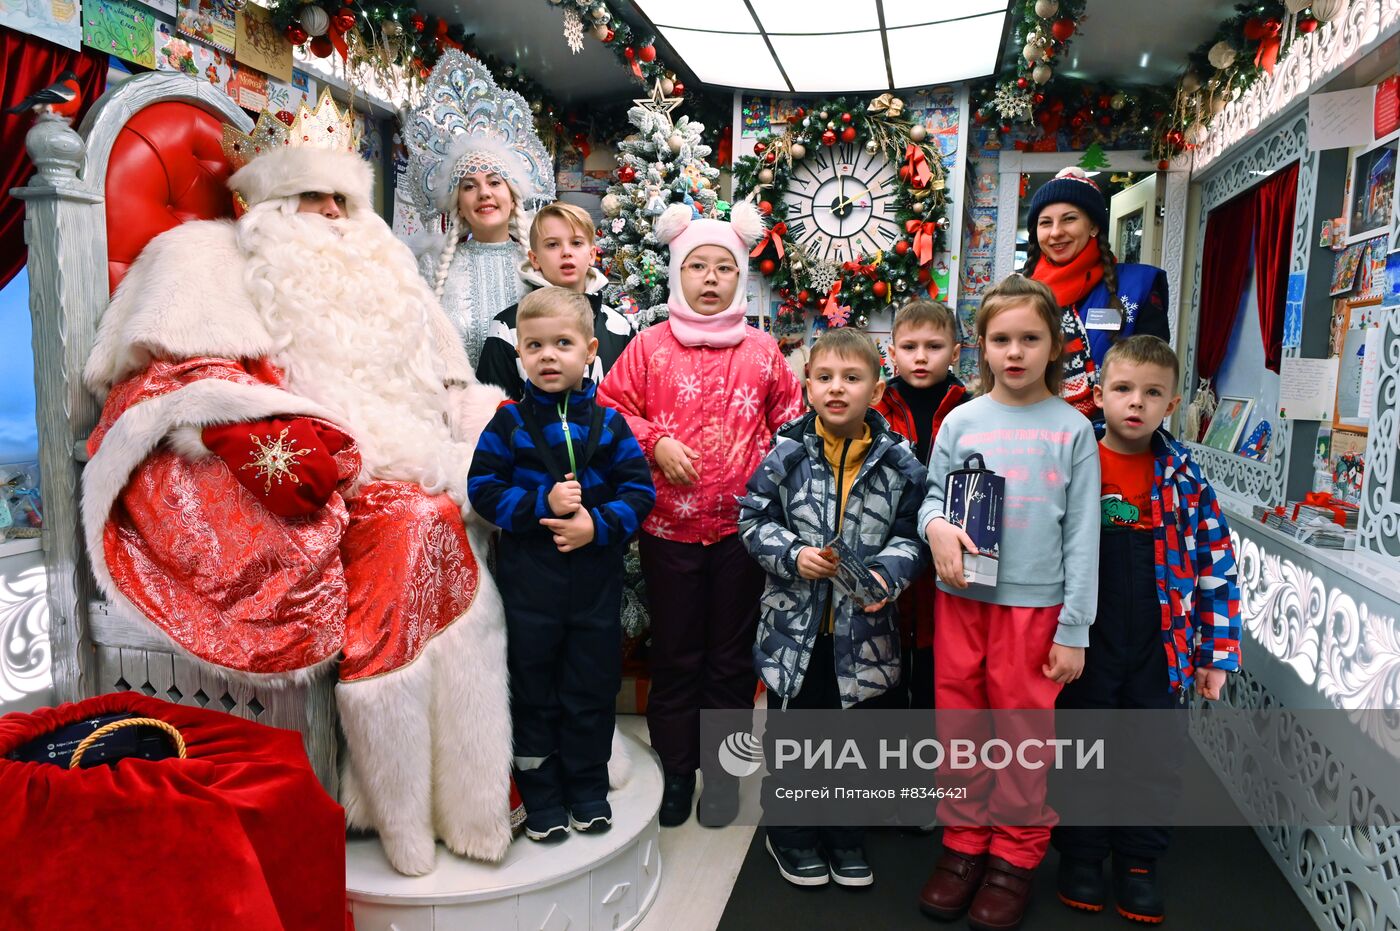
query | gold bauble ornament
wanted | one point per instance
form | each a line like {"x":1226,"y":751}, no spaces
{"x":765,"y":176}
{"x":1031,"y":52}
{"x":1197,"y":133}
{"x":1042,"y":73}
{"x":600,"y":32}
{"x":798,"y":150}
{"x":1045,"y":9}
{"x":1221,"y":55}
{"x":1190,"y":82}
{"x":1326,"y":11}
{"x":872,"y":147}
{"x":918,"y":132}
{"x":1118,"y":101}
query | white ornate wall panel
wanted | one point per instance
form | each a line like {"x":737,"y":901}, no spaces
{"x":1247,"y":479}
{"x":1311,"y":60}
{"x":1380,"y":511}
{"x":1332,"y":628}
{"x":26,"y":674}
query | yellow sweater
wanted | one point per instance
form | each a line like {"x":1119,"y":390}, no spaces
{"x":845,"y":458}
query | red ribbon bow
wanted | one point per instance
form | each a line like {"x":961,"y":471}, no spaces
{"x":774,"y":236}
{"x":916,"y":168}
{"x":832,"y":309}
{"x":1269,"y":34}
{"x":924,"y":232}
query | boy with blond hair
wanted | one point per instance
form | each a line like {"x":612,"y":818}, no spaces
{"x":566,"y":482}
{"x":1169,"y":608}
{"x":561,"y":256}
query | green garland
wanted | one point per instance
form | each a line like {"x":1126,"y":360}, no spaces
{"x":869,"y":283}
{"x":1042,"y":35}
{"x":1113,"y":116}
{"x":636,"y":51}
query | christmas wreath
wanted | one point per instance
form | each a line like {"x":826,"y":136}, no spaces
{"x":846,"y":293}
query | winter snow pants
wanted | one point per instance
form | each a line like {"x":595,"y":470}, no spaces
{"x":1125,"y":669}
{"x":564,"y":654}
{"x":988,"y":656}
{"x":704,"y":615}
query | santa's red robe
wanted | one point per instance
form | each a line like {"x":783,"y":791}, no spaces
{"x":383,"y":576}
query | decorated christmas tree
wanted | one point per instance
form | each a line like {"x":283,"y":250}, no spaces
{"x":663,"y":163}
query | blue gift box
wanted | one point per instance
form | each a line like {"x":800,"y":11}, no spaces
{"x":973,"y":502}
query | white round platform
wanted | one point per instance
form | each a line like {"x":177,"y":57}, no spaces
{"x":586,"y":883}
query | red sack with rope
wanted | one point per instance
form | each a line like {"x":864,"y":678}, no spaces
{"x":236,"y":834}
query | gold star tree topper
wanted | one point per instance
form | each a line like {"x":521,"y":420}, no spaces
{"x":657,"y":102}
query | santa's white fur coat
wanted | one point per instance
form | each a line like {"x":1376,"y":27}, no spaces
{"x":429,"y":744}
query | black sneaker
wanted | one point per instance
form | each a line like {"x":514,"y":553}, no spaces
{"x":591,"y":817}
{"x":719,"y":801}
{"x":676,"y":799}
{"x":799,"y":867}
{"x":849,"y":868}
{"x":549,"y":826}
{"x":1080,"y":883}
{"x":1136,"y":891}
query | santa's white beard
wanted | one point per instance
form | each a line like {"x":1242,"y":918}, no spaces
{"x":349,"y":312}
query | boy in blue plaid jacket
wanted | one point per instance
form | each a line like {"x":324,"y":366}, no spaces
{"x":1169,"y":609}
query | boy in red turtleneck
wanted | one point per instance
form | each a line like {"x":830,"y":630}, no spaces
{"x":924,"y":344}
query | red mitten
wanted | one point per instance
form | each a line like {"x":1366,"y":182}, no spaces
{"x":286,"y":462}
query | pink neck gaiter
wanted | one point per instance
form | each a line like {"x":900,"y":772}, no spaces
{"x":718,"y":331}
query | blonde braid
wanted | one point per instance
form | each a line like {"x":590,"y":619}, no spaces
{"x":454,"y":232}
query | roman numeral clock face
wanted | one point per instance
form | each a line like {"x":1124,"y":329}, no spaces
{"x":841,"y":203}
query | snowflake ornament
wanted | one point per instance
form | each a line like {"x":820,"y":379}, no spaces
{"x":274,"y":460}
{"x":823,"y":275}
{"x":1012,"y":103}
{"x":573,"y":30}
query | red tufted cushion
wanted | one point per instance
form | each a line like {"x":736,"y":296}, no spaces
{"x":166,"y":167}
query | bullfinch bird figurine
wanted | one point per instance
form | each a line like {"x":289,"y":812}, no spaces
{"x":61,"y":97}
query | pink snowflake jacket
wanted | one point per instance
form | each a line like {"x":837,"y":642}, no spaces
{"x":725,"y":404}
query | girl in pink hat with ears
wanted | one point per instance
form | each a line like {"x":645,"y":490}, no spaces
{"x":704,"y":393}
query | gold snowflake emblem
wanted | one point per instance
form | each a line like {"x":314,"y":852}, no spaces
{"x":274,"y":460}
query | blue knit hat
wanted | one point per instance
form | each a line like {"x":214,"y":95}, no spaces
{"x":1070,"y":186}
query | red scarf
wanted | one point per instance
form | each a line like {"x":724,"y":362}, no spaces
{"x":1072,"y":281}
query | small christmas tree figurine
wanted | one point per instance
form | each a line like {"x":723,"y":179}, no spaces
{"x":662,"y":164}
{"x":1094,"y":159}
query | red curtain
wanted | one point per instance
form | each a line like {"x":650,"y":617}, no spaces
{"x":1273,"y":247}
{"x":1224,"y":270}
{"x":31,"y":64}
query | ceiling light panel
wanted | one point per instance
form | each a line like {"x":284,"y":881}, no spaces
{"x":947,"y":52}
{"x":717,"y":15}
{"x":727,"y":59}
{"x":918,"y":12}
{"x":833,"y":63}
{"x":815,"y":17}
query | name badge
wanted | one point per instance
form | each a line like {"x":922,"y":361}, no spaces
{"x":1102,"y":318}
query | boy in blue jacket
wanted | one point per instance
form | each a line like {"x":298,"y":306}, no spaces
{"x":1169,"y":609}
{"x":566,"y":482}
{"x":839,"y":471}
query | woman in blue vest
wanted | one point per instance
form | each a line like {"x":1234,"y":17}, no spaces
{"x":1101,"y":300}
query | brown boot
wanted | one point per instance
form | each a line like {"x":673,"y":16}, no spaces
{"x":955,"y":878}
{"x":1001,"y":900}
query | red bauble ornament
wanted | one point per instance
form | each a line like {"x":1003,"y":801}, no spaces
{"x":1176,"y":138}
{"x":627,"y":174}
{"x":979,"y":117}
{"x":1307,"y":25}
{"x":1105,"y":120}
{"x":610,"y":36}
{"x":417,"y":22}
{"x":678,"y":90}
{"x":848,"y":134}
{"x":1038,"y":99}
{"x":901,"y":247}
{"x":759,"y":148}
{"x":295,"y":34}
{"x":344,"y":21}
{"x":1022,"y":83}
{"x":765,"y":207}
{"x":799,"y":114}
{"x":845,"y":117}
{"x":829,"y":137}
{"x":629,"y":53}
{"x":1063,"y":29}
{"x":770,"y":158}
{"x":1005,"y":128}
{"x":1105,"y":102}
{"x":321,"y":47}
{"x":1077,"y":121}
{"x":648,"y":53}
{"x":768,"y":266}
{"x":1163,"y":165}
{"x":879,"y":289}
{"x":804,"y":296}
